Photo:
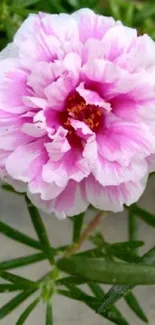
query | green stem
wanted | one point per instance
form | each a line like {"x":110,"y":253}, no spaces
{"x":77,"y":226}
{"x":49,"y":315}
{"x":95,"y":222}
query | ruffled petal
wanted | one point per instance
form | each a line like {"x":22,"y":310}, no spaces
{"x":118,"y":40}
{"x":112,"y":173}
{"x":58,"y":91}
{"x":122,"y":140}
{"x":13,"y":88}
{"x":23,"y":163}
{"x":113,"y":198}
{"x":92,"y":97}
{"x":72,"y":201}
{"x":91,"y":25}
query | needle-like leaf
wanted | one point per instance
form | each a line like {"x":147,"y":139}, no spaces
{"x":40,"y":230}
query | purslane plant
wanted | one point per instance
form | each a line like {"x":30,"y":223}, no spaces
{"x":77,"y":113}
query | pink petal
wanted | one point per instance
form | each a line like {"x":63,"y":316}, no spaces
{"x":52,"y":120}
{"x":113,"y":80}
{"x":126,"y":108}
{"x":92,"y":97}
{"x":62,"y":26}
{"x":12,"y":89}
{"x":55,"y":172}
{"x":59,"y":145}
{"x":35,"y":102}
{"x":112,"y":173}
{"x":82,"y":129}
{"x":71,"y":166}
{"x":36,"y":130}
{"x":43,"y":74}
{"x":72,"y":201}
{"x":17,"y":185}
{"x":93,"y":49}
{"x":3,"y":157}
{"x":40,"y":48}
{"x":117,"y":40}
{"x":45,"y":190}
{"x":91,"y":25}
{"x":13,"y":137}
{"x":151,"y":163}
{"x":113,"y":198}
{"x":140,"y":56}
{"x":29,"y":26}
{"x":122,"y":140}
{"x":58,"y":91}
{"x":23,"y":163}
{"x":72,"y":63}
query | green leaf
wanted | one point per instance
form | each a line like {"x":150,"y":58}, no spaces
{"x":15,"y":302}
{"x":99,"y":293}
{"x":71,"y":280}
{"x":121,"y":250}
{"x":96,"y":290}
{"x":10,"y":287}
{"x":115,"y":8}
{"x":113,"y":295}
{"x":9,"y":188}
{"x":27,"y":312}
{"x":22,"y":261}
{"x":24,"y":3}
{"x":77,"y":226}
{"x":95,"y":252}
{"x":18,"y":280}
{"x":97,"y":239}
{"x":130,"y":298}
{"x":77,"y":294}
{"x":108,"y":272}
{"x":125,"y":246}
{"x":132,"y":226}
{"x":147,"y":217}
{"x":147,"y":12}
{"x":124,"y":250}
{"x":49,"y":316}
{"x":40,"y":230}
{"x":129,"y":17}
{"x":134,"y":305}
{"x":117,"y":291}
{"x":19,"y":236}
{"x":56,"y":7}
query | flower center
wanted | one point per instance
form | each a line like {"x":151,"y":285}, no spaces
{"x":78,"y":109}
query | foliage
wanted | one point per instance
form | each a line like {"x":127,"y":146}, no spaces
{"x":117,"y":264}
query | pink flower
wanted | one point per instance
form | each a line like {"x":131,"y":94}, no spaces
{"x":77,"y":112}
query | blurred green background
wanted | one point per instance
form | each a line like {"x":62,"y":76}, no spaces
{"x":139,"y":14}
